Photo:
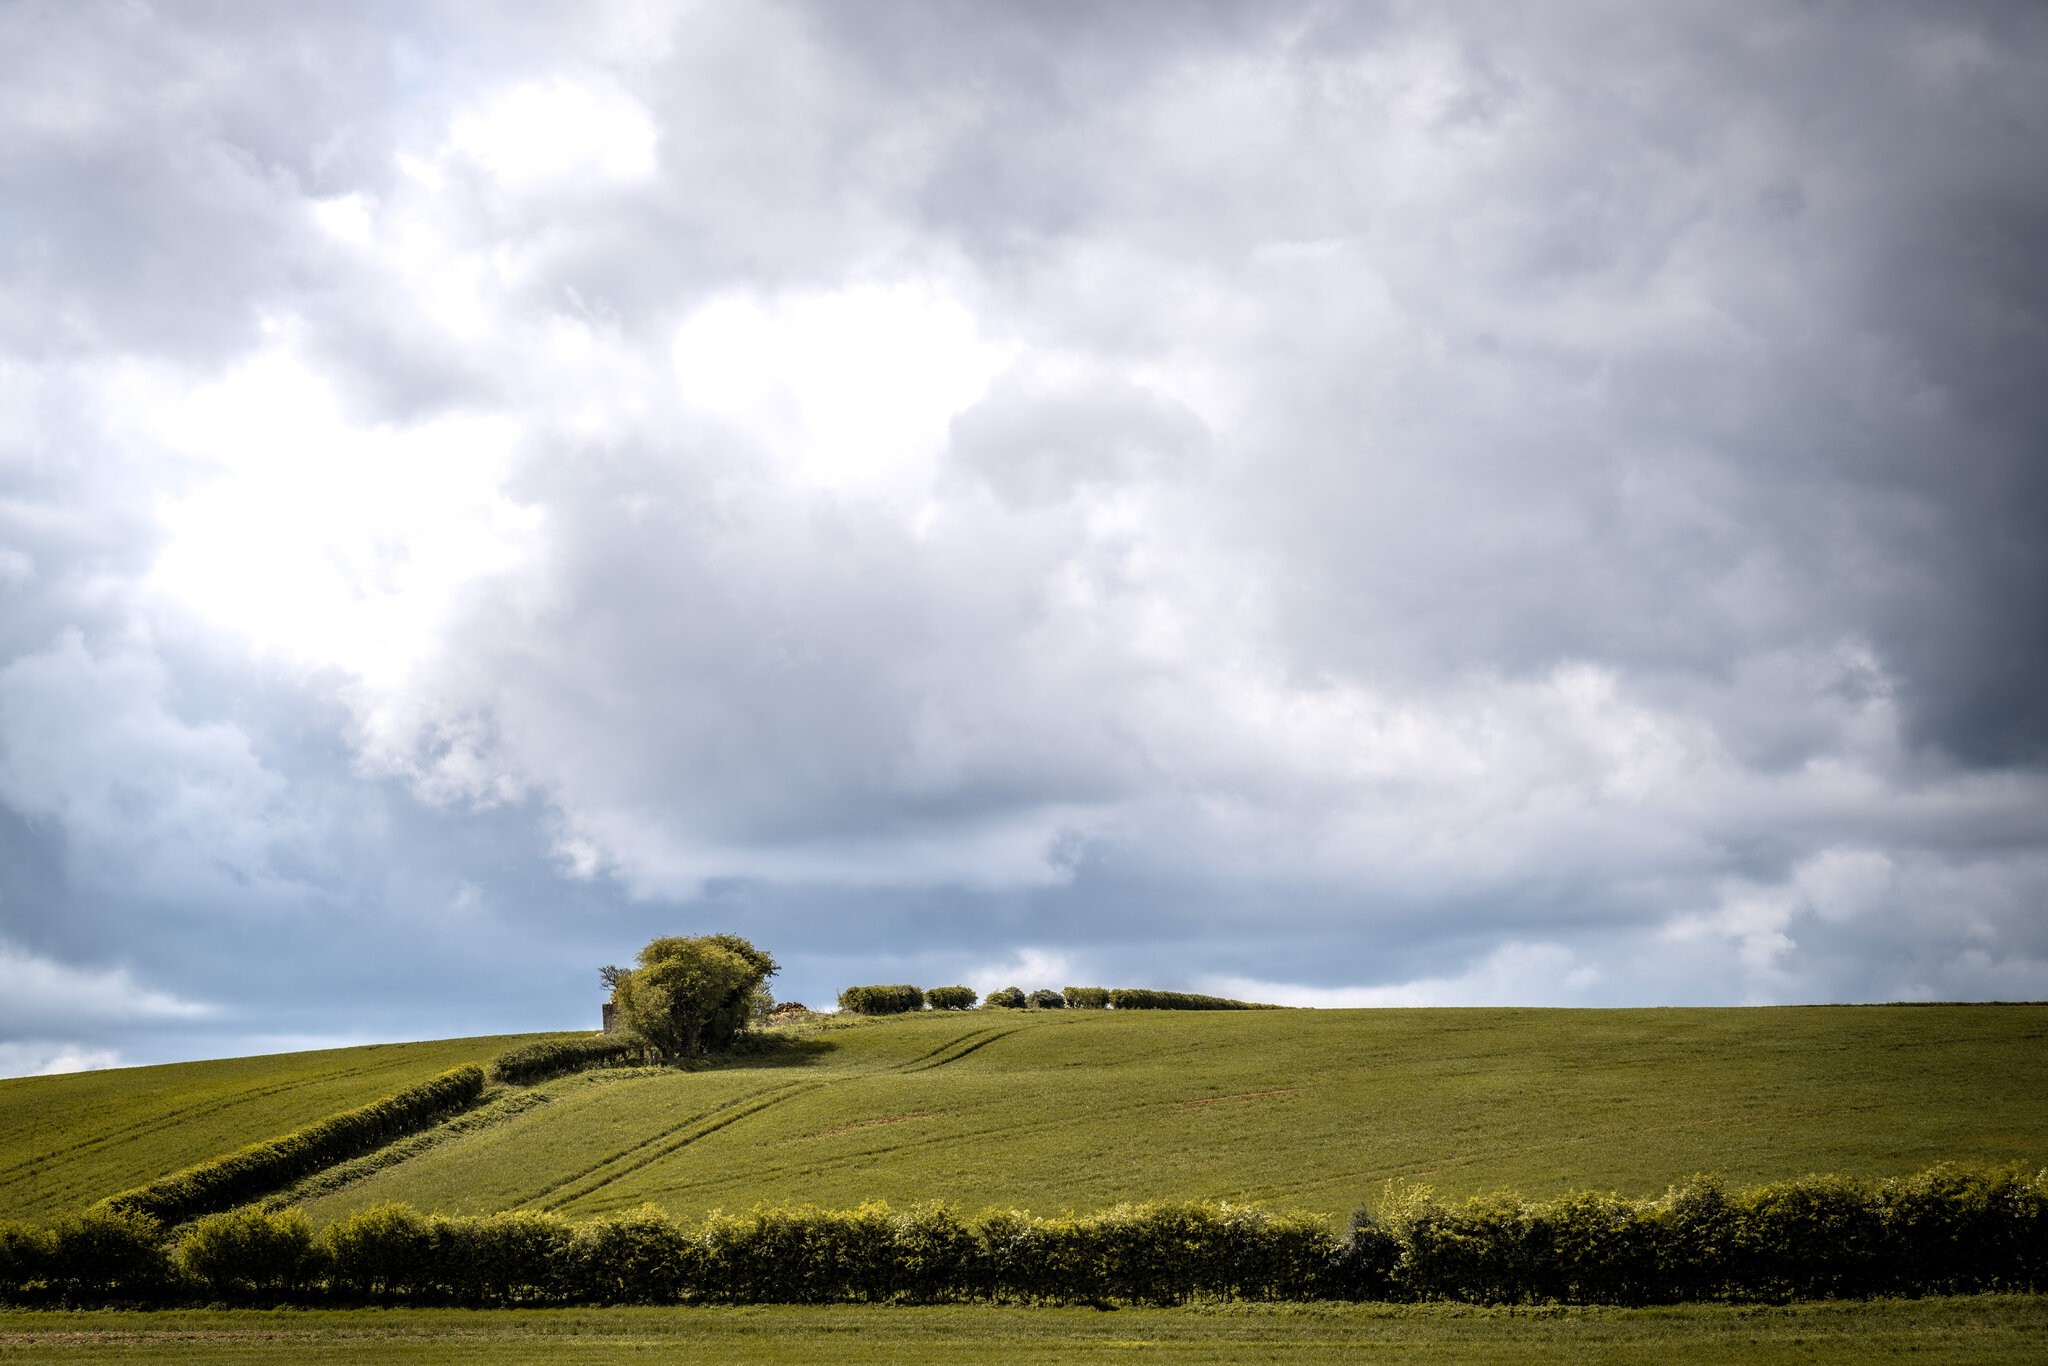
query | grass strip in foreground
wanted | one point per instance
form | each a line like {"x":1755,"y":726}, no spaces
{"x":1987,"y":1328}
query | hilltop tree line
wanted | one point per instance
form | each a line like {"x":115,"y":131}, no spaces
{"x":901,"y":999}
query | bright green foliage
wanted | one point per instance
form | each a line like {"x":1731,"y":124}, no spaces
{"x":889,"y":1000}
{"x":638,"y":1256}
{"x":692,"y":996}
{"x":69,"y":1140}
{"x":1004,"y":998}
{"x":263,"y":1167}
{"x":1143,"y":998}
{"x":950,"y":998}
{"x":532,"y":1062}
{"x":1087,"y":998}
{"x":250,"y":1251}
{"x":519,"y":1257}
{"x":378,"y":1253}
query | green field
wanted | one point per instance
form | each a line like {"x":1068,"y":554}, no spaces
{"x":69,"y":1140}
{"x":1975,"y":1329}
{"x":1080,"y":1110}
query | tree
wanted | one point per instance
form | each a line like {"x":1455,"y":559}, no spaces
{"x":691,"y":996}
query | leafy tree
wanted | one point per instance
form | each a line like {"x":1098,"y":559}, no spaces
{"x":691,"y":996}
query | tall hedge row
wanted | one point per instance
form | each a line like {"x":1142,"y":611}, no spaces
{"x":890,"y":1000}
{"x":1941,"y":1231}
{"x":263,"y":1167}
{"x":552,"y":1057}
{"x":1143,"y":998}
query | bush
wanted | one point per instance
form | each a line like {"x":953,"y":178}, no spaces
{"x":691,"y":996}
{"x":1008,"y":998}
{"x":383,"y":1252}
{"x":1143,"y":998}
{"x":1047,"y":999}
{"x":106,"y":1253}
{"x":552,"y":1057}
{"x":250,"y":1251}
{"x":516,"y":1257}
{"x":950,"y":998}
{"x":1087,"y":998}
{"x":249,"y":1172}
{"x":25,"y":1255}
{"x":892,"y":1000}
{"x":638,"y":1257}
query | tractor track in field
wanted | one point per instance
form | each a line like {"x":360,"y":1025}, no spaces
{"x":981,"y":1039}
{"x":655,"y":1147}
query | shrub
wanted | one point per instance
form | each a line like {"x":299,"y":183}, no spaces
{"x":25,"y":1254}
{"x":515,"y":1257}
{"x":1008,"y":998}
{"x":638,"y":1257}
{"x":248,"y":1172}
{"x":552,"y":1057}
{"x":1047,"y":999}
{"x":1144,"y":998}
{"x":1087,"y":998}
{"x":891,"y":1000}
{"x":385,"y":1251}
{"x":950,"y":998}
{"x":106,"y":1252}
{"x":691,"y":996}
{"x":250,"y":1251}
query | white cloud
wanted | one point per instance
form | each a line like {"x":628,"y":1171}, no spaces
{"x":44,"y":1059}
{"x":1513,"y":973}
{"x":547,"y":136}
{"x":35,"y":991}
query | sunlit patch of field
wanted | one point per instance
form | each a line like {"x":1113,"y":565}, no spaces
{"x":1303,"y":1109}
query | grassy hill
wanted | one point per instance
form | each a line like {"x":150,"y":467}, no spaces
{"x":1309,"y":1109}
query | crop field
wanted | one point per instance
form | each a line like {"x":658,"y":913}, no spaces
{"x":1052,"y":1110}
{"x":1303,"y":1109}
{"x":69,"y":1140}
{"x":1987,"y":1329}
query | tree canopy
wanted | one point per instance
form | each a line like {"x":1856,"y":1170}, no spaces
{"x":692,"y":995}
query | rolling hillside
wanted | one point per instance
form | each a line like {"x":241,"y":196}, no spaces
{"x":1308,"y":1109}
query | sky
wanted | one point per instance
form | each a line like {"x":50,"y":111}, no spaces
{"x":1336,"y":504}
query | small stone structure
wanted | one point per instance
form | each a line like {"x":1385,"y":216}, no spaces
{"x":611,"y":1018}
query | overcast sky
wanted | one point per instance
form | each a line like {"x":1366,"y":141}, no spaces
{"x":1343,"y":504}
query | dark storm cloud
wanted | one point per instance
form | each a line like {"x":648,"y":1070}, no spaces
{"x":1369,"y":503}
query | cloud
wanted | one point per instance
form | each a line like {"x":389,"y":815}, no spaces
{"x":1420,"y":507}
{"x":39,"y":1059}
{"x":38,"y":991}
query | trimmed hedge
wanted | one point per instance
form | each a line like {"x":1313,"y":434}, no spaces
{"x":1144,"y":998}
{"x":1943,"y":1231}
{"x":260,"y":1168}
{"x":891,"y":1000}
{"x":1087,"y":998}
{"x":950,"y":998}
{"x":553,"y":1057}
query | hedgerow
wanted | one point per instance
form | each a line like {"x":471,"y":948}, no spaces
{"x":246,"y":1173}
{"x":889,"y":1000}
{"x":552,"y":1057}
{"x":1941,"y":1231}
{"x":1144,"y":998}
{"x":1087,"y":998}
{"x":950,"y":998}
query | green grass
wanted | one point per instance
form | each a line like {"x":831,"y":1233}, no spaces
{"x":1306,"y":1109}
{"x":1080,"y":1110}
{"x":67,"y":1141}
{"x":1979,"y":1329}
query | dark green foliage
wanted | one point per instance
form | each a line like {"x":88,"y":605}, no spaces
{"x":1087,"y":998}
{"x":515,"y":1257}
{"x":950,"y":998}
{"x":383,"y":1252}
{"x":692,"y":996}
{"x":250,"y":1251}
{"x":107,"y":1254}
{"x":25,"y":1253}
{"x":889,"y":1000}
{"x":249,"y":1172}
{"x":1006,"y":998}
{"x":1047,"y":999}
{"x":552,"y":1057}
{"x":1144,"y":998}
